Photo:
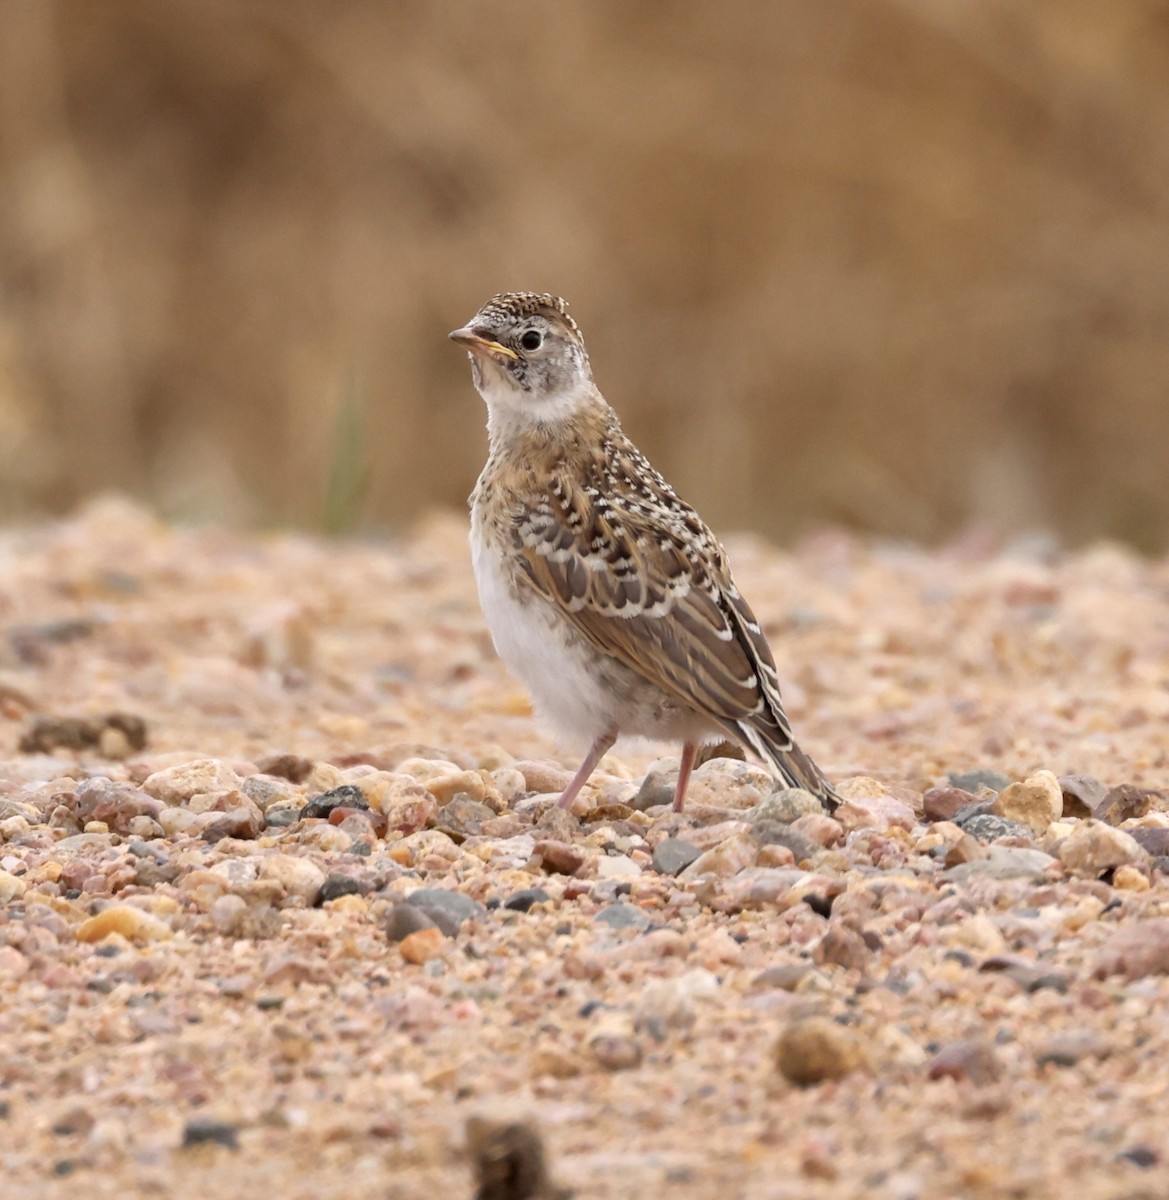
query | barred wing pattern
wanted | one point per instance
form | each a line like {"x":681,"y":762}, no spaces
{"x":640,"y":575}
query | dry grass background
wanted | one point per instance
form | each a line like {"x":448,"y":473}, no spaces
{"x":901,"y":263}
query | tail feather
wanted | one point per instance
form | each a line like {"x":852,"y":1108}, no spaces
{"x":795,"y":767}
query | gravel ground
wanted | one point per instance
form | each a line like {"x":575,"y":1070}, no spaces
{"x":284,"y":903}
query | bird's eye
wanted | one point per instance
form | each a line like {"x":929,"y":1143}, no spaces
{"x":531,"y":340}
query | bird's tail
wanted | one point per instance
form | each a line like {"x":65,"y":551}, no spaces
{"x":775,"y":744}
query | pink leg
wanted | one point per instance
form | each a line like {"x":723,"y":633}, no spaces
{"x":689,"y":750}
{"x":597,"y":751}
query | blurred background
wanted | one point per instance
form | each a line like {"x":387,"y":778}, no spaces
{"x":901,"y":264}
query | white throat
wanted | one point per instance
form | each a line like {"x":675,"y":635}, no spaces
{"x":511,"y":412}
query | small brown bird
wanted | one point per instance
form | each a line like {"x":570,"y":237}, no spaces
{"x":603,"y":591}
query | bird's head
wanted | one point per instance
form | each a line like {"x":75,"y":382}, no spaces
{"x":528,"y":358}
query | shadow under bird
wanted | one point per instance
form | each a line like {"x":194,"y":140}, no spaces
{"x":604,"y":591}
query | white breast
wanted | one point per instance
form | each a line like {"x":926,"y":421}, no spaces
{"x":532,"y":638}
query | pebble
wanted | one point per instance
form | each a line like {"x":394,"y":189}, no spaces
{"x":178,"y":784}
{"x":1095,"y":847}
{"x":729,"y":783}
{"x":1135,"y":950}
{"x":1036,"y":802}
{"x":1002,"y":862}
{"x":559,"y":858}
{"x":616,"y":866}
{"x":11,"y":887}
{"x":297,"y":877}
{"x":616,"y":1051}
{"x":778,"y":834}
{"x":942,"y":803}
{"x":842,"y":947}
{"x":447,"y":909}
{"x":622,"y":916}
{"x":1124,"y":803}
{"x":812,"y":1050}
{"x":227,"y":913}
{"x":348,"y":795}
{"x":525,"y":898}
{"x":1081,"y":794}
{"x":819,"y":828}
{"x":786,"y":805}
{"x":338,"y":884}
{"x":726,"y":859}
{"x":404,"y":919}
{"x":673,"y":855}
{"x":422,"y":945}
{"x":973,"y":1059}
{"x":125,"y":920}
{"x":206,"y":1131}
{"x":971,"y":781}
{"x":988,"y":827}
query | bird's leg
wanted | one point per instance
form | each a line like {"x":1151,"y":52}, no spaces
{"x":689,"y":750}
{"x":597,"y":751}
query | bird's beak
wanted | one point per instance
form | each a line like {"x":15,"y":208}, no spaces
{"x":469,"y":338}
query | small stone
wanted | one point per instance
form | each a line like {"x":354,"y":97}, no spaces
{"x":965,"y":849}
{"x":972,"y":1059}
{"x":1067,"y":1049}
{"x":988,"y":827}
{"x":819,"y":828}
{"x":786,"y":805}
{"x":1035,"y":803}
{"x":523,"y":900}
{"x":814,"y":1049}
{"x":337,"y":884}
{"x":673,"y":855}
{"x":1135,"y":950}
{"x":779,"y":834}
{"x":348,"y":795}
{"x":463,"y":816}
{"x":622,"y":916}
{"x":447,"y":909}
{"x":656,"y":791}
{"x":1152,"y":839}
{"x":298,"y":877}
{"x":1140,"y":1156}
{"x":205,"y":1131}
{"x":543,"y":777}
{"x":423,"y":945}
{"x":787,"y":977}
{"x":559,"y":858}
{"x":1130,"y":879}
{"x":617,"y":866}
{"x":1095,"y":847}
{"x":882,"y":811}
{"x":134,"y":924}
{"x":942,"y":803}
{"x":404,"y":919}
{"x":227,"y":913}
{"x":1125,"y":803}
{"x":1081,"y":794}
{"x":292,"y":767}
{"x":616,"y":1052}
{"x":971,"y":781}
{"x":11,"y":887}
{"x":728,"y":783}
{"x":842,"y":947}
{"x":509,"y":1162}
{"x":176,"y":785}
{"x":728,"y":858}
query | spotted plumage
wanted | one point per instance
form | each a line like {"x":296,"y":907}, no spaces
{"x":602,"y":588}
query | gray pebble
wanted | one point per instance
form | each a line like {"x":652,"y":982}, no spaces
{"x":777,"y":833}
{"x":622,"y":916}
{"x":786,"y":805}
{"x":404,"y":919}
{"x":448,"y":910}
{"x":673,"y":855}
{"x":523,"y":900}
{"x":971,"y":781}
{"x":988,"y":828}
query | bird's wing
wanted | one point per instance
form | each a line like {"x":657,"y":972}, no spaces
{"x":638,"y":573}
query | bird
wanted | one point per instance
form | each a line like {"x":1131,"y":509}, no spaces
{"x":603,"y":590}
